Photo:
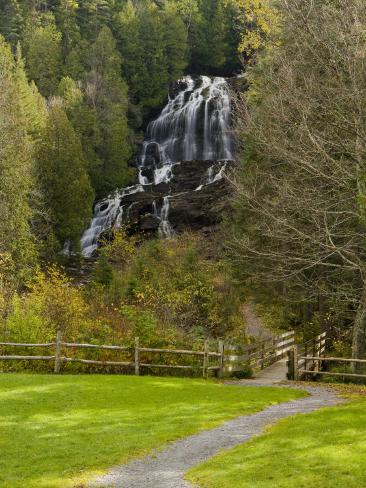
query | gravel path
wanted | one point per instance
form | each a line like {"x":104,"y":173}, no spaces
{"x":166,"y":469}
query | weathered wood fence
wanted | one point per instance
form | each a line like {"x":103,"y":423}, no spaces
{"x":304,"y":359}
{"x":308,"y":361}
{"x":227,"y":358}
{"x":258,"y":355}
{"x":135,"y":353}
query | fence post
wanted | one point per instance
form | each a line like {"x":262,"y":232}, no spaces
{"x":221,"y":359}
{"x":306,"y":355}
{"x":205,"y":360}
{"x":137,"y":356}
{"x":292,"y":364}
{"x":58,"y":359}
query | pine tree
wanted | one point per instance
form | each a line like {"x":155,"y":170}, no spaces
{"x":107,"y":96}
{"x":175,"y":44}
{"x":93,"y":15}
{"x":66,"y":19}
{"x":11,"y":20}
{"x":43,"y":53}
{"x":16,"y":170}
{"x":63,"y":174}
{"x":153,"y":43}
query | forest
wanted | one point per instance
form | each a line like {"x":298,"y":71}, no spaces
{"x":80,"y":82}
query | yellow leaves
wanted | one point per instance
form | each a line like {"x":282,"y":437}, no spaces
{"x":6,"y":263}
{"x":122,"y":248}
{"x":140,"y":296}
{"x":53,"y":303}
{"x":259,"y":20}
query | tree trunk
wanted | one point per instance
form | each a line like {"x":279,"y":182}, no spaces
{"x":359,"y":332}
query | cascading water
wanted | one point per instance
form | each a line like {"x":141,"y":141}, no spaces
{"x":107,"y":213}
{"x":193,"y":126}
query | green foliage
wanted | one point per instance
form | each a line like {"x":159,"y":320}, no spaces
{"x":66,"y":19}
{"x":42,"y":43}
{"x":153,"y":43}
{"x":11,"y":20}
{"x":103,"y":271}
{"x":107,"y":96}
{"x":51,"y":304}
{"x":63,"y":175}
{"x":93,"y":15}
{"x":16,"y":168}
{"x":170,"y":288}
{"x":143,"y":323}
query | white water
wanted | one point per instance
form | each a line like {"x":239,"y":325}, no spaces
{"x":214,"y":173}
{"x":165,"y":229}
{"x":177,"y":135}
{"x":194,"y":125}
{"x":107,"y":213}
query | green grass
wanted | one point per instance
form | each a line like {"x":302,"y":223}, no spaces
{"x":325,"y":449}
{"x":57,"y":431}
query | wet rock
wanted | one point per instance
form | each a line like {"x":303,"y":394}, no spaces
{"x":199,"y":208}
{"x":148,"y":223}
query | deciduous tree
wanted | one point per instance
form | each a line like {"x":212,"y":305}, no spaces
{"x":301,"y":189}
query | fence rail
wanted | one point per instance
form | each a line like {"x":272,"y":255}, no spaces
{"x":308,"y":360}
{"x":260,"y":354}
{"x":221,"y":360}
{"x":60,"y":347}
{"x":343,"y":374}
{"x":304,"y":358}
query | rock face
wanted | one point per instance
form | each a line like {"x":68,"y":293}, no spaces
{"x":182,"y":166}
{"x":193,"y":202}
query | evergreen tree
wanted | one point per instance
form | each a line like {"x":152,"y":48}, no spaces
{"x":94,"y":15}
{"x":175,"y":44}
{"x":208,"y":41}
{"x":16,"y":170}
{"x":153,"y":44}
{"x":11,"y":20}
{"x":107,"y":96}
{"x":43,"y":53}
{"x":63,"y":174}
{"x":33,"y":104}
{"x":66,"y":19}
{"x":84,"y":119}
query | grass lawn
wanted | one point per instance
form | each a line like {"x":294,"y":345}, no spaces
{"x":324,"y":449}
{"x":56,"y":431}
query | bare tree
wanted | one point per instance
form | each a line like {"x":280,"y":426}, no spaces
{"x":300,"y":193}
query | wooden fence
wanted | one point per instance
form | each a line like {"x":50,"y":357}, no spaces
{"x":308,"y":350}
{"x":326,"y":362}
{"x":226,"y":358}
{"x":135,"y":353}
{"x":305,"y":359}
{"x":259,"y":354}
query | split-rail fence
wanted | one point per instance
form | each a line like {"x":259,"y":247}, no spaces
{"x":225,"y":359}
{"x":308,"y":361}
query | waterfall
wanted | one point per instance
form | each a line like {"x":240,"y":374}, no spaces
{"x":194,"y":125}
{"x":178,"y":134}
{"x":165,"y":229}
{"x":107,"y":213}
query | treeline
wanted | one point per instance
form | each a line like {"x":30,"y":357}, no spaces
{"x":78,"y":81}
{"x":299,"y":235}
